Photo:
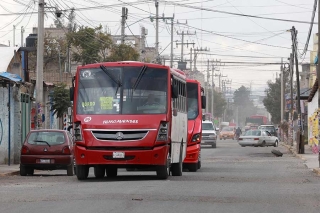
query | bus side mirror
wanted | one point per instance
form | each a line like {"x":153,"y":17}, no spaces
{"x":71,"y":93}
{"x":203,"y":102}
{"x":174,"y":91}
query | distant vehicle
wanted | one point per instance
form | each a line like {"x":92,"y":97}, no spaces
{"x":227,"y":133}
{"x":209,"y":135}
{"x":258,"y":138}
{"x":196,"y":101}
{"x":270,"y":128}
{"x":47,"y":149}
{"x":257,"y":120}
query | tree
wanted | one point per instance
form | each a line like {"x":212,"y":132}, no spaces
{"x":273,"y":100}
{"x":91,"y":44}
{"x":61,"y":100}
{"x":123,"y":52}
{"x":219,"y":104}
{"x":245,"y":106}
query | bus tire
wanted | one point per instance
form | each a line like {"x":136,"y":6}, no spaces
{"x":99,"y":172}
{"x":199,"y":164}
{"x":82,"y":172}
{"x":193,"y":167}
{"x":176,"y":168}
{"x":112,"y":172}
{"x":163,"y":172}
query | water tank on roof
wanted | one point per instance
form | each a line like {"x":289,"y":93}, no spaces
{"x":31,"y":40}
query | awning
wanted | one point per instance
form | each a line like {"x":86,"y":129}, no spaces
{"x":10,"y":76}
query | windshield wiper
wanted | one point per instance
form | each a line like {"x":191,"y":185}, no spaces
{"x":106,"y":71}
{"x":42,"y":142}
{"x":141,"y":73}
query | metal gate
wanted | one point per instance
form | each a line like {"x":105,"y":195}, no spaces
{"x":25,"y":115}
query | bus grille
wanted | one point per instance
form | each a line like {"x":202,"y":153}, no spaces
{"x":119,"y":135}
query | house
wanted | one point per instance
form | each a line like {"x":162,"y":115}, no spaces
{"x":313,"y":118}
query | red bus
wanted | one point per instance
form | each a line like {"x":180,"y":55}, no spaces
{"x":129,"y":115}
{"x":257,"y":120}
{"x":196,"y":102}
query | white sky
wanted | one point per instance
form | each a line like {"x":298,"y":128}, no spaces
{"x":234,"y":27}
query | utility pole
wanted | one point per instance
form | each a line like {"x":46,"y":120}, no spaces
{"x":124,"y":17}
{"x":295,"y":43}
{"x":207,"y":87}
{"x":171,"y":44}
{"x":157,"y":31}
{"x":40,"y":51}
{"x":318,"y":69}
{"x":220,"y":76}
{"x":291,"y":98}
{"x":70,"y":28}
{"x":191,"y":59}
{"x":22,"y":31}
{"x":14,"y":35}
{"x":143,"y":43}
{"x":282,"y":88}
{"x":182,"y":43}
{"x":196,"y":51}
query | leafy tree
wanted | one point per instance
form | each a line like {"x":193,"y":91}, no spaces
{"x":245,"y":106}
{"x":61,"y":100}
{"x":273,"y":100}
{"x":219,"y":104}
{"x":91,"y":44}
{"x":123,"y":52}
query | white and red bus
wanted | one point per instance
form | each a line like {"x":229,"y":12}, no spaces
{"x":129,"y":115}
{"x":196,"y":102}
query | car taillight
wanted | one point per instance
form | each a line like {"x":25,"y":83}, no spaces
{"x":240,"y":139}
{"x":256,"y":139}
{"x":77,"y":131}
{"x":163,"y":131}
{"x":196,"y":138}
{"x":25,"y":150}
{"x":66,"y":150}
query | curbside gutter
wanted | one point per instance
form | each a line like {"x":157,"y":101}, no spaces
{"x":9,"y":173}
{"x":295,"y":154}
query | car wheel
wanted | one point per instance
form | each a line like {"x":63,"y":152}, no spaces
{"x":199,"y":164}
{"x":23,"y":170}
{"x":82,"y":172}
{"x":214,"y":145}
{"x":263,"y":144}
{"x":70,"y":170}
{"x":99,"y":171}
{"x":275,"y":144}
{"x":112,"y":172}
{"x":164,"y":171}
{"x":30,"y":171}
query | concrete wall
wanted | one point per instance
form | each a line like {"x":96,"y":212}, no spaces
{"x":312,"y":120}
{"x":15,"y":125}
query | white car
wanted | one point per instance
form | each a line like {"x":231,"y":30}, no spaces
{"x":209,"y":135}
{"x":258,"y":137}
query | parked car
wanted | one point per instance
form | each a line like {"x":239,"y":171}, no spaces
{"x":270,"y":128}
{"x":47,"y":149}
{"x":209,"y":135}
{"x":227,"y":132}
{"x":258,"y":138}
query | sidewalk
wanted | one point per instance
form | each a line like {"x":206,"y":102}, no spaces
{"x":6,"y":170}
{"x":310,"y":159}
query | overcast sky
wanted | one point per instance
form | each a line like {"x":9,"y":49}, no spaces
{"x":225,"y":35}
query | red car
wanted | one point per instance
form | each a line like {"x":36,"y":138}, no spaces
{"x":47,"y":149}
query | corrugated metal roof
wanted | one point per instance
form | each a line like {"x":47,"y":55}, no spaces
{"x":10,"y":76}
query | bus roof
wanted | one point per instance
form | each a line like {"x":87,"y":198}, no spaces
{"x":195,"y":81}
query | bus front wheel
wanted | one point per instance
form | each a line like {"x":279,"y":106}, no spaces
{"x":164,"y":171}
{"x":82,"y":172}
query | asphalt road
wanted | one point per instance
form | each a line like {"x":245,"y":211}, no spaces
{"x":232,"y":179}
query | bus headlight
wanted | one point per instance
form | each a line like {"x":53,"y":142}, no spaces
{"x":77,"y":132}
{"x":163,"y":131}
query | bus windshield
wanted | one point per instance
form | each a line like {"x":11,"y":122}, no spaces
{"x":192,"y":100}
{"x":118,"y":90}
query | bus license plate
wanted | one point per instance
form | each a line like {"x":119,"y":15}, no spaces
{"x":118,"y":155}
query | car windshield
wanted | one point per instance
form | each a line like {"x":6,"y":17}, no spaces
{"x":122,"y":90}
{"x":270,"y":129}
{"x":45,"y":138}
{"x":253,"y":133}
{"x":227,"y":129}
{"x":207,"y":126}
{"x":192,"y":100}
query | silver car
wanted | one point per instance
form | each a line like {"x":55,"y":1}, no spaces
{"x":258,"y":137}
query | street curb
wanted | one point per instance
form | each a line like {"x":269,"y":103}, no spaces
{"x":294,"y":153}
{"x":10,"y":174}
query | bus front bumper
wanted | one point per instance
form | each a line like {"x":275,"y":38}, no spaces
{"x":192,"y":155}
{"x":121,"y":158}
